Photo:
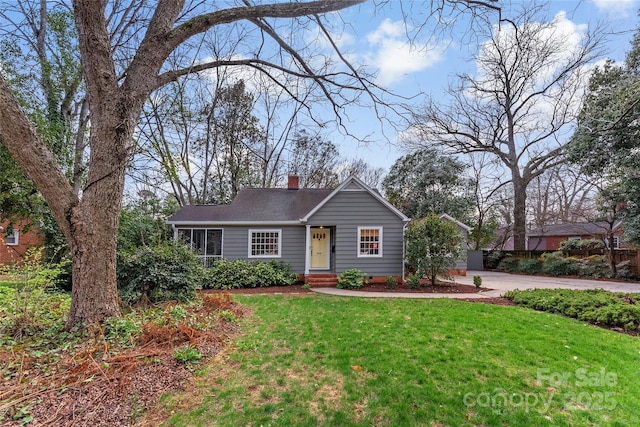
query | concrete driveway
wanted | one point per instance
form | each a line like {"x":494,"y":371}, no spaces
{"x":503,"y":282}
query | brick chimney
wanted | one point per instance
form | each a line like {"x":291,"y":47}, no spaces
{"x":294,"y":182}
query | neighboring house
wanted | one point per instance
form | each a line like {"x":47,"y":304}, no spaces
{"x":503,"y":239}
{"x":15,"y":243}
{"x":550,"y":236}
{"x":463,"y":229}
{"x":318,"y":232}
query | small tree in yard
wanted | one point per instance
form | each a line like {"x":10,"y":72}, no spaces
{"x":433,"y":246}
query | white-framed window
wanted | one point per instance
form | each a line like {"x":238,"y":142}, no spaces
{"x":205,"y":242}
{"x":616,"y":242}
{"x":266,"y":243}
{"x":369,"y":241}
{"x":12,"y":238}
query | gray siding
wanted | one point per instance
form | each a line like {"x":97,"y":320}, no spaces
{"x":235,"y":243}
{"x":349,"y":210}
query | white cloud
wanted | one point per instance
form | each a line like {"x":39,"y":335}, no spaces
{"x":341,"y":38}
{"x":394,"y":56}
{"x":615,"y":6}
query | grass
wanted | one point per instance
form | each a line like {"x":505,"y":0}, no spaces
{"x":330,"y":361}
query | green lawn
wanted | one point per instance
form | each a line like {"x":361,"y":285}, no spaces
{"x":321,"y":360}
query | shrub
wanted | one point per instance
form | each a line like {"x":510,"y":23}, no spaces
{"x":493,"y":259}
{"x":433,"y":246}
{"x":622,"y":270}
{"x":391,"y":282}
{"x":581,"y":245}
{"x":413,"y":280}
{"x":157,"y":273}
{"x":239,"y":273}
{"x":555,"y":264}
{"x":351,"y":279}
{"x":595,"y":266}
{"x":29,"y":303}
{"x":62,"y":280}
{"x":529,"y":266}
{"x":477,"y":280}
{"x":508,"y":263}
{"x":595,"y":306}
{"x":144,"y":224}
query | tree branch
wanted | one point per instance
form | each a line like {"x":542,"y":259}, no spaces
{"x":34,"y":157}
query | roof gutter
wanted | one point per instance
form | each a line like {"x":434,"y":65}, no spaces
{"x":214,"y":223}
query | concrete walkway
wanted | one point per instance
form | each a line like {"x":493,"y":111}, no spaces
{"x":500,"y":283}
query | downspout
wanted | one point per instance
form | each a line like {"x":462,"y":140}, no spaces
{"x":307,"y":252}
{"x":404,"y":250}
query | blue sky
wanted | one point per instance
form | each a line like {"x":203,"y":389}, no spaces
{"x":378,"y":41}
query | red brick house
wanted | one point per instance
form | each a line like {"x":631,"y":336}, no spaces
{"x":550,"y":236}
{"x":15,"y":243}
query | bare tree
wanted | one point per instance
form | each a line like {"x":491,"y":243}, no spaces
{"x":170,"y":158}
{"x":41,"y":60}
{"x":370,"y":175}
{"x":520,"y":104}
{"x":124,"y":48}
{"x":313,"y":159}
{"x":560,"y":195}
{"x":485,"y":186}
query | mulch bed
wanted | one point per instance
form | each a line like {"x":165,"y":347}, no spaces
{"x":99,"y":386}
{"x":442,"y":287}
{"x":439,"y":288}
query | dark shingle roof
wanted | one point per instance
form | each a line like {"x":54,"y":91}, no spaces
{"x":257,"y":204}
{"x":572,"y":229}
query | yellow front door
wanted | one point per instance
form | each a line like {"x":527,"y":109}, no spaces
{"x":320,"y":238}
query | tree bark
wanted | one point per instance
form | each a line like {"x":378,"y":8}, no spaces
{"x":519,"y":214}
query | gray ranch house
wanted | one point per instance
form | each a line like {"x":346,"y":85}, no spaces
{"x":318,"y":232}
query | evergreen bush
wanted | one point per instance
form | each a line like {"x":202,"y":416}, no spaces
{"x":351,"y":279}
{"x":508,"y":264}
{"x":529,"y":266}
{"x":597,"y":306}
{"x":239,"y":273}
{"x":433,"y":247}
{"x":555,"y":264}
{"x":162,"y":272}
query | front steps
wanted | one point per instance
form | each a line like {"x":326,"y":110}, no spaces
{"x":320,"y":280}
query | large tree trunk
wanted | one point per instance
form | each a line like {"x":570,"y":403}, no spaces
{"x":94,"y":231}
{"x":519,"y":215}
{"x":94,"y":292}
